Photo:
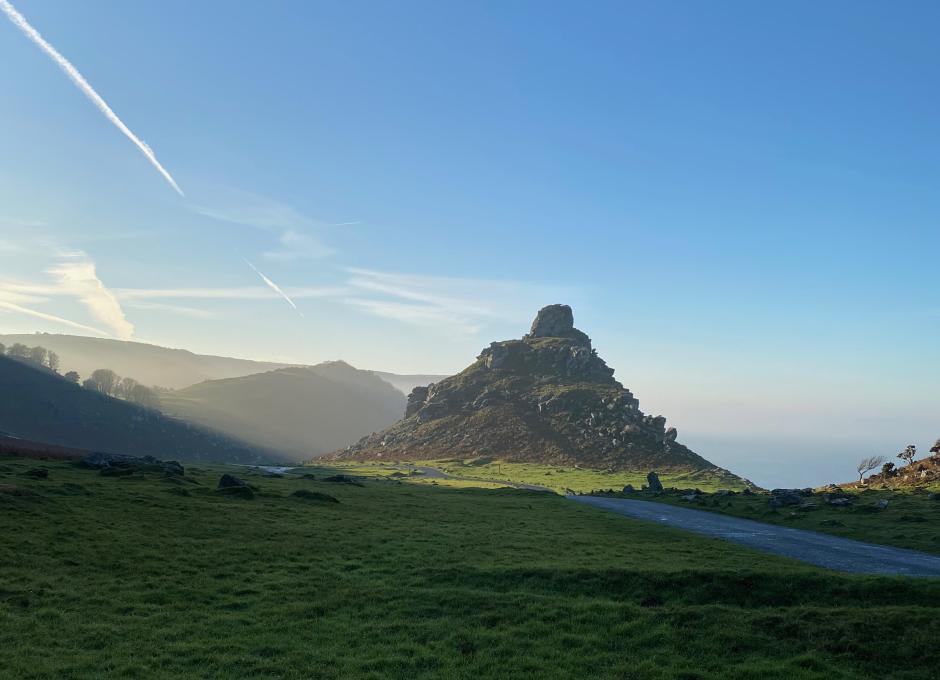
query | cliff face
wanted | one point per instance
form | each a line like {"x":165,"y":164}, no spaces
{"x":547,"y":398}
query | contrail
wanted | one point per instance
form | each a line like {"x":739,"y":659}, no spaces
{"x":270,"y":284}
{"x":20,"y":22}
{"x":49,"y":317}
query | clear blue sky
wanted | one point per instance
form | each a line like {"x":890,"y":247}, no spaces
{"x":738,"y":199}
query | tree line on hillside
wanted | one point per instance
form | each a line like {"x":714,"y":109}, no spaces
{"x":888,"y":469}
{"x":102,"y":380}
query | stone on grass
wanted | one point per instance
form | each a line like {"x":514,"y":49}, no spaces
{"x":653,"y":482}
{"x":228,"y":481}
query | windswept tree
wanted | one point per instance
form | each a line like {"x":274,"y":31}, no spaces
{"x":867,"y":465}
{"x":908,"y":454}
{"x":103,"y":380}
{"x":73,"y":376}
{"x":52,"y":361}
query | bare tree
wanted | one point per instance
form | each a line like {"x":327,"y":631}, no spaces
{"x":908,"y":453}
{"x":52,"y":361}
{"x":142,"y":396}
{"x":125,"y":388}
{"x":18,"y":350}
{"x":867,"y":465}
{"x":73,"y":376}
{"x":104,"y":380}
{"x":38,"y":355}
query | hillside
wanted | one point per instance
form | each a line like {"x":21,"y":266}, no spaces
{"x":301,"y":411}
{"x":547,"y":398}
{"x":165,"y":366}
{"x":36,"y":404}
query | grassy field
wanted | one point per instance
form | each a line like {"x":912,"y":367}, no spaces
{"x":554,"y":477}
{"x":910,"y":520}
{"x":149,"y":577}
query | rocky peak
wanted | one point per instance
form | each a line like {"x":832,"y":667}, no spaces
{"x":556,"y":321}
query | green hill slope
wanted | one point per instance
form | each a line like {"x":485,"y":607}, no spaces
{"x":39,"y":405}
{"x":301,"y":411}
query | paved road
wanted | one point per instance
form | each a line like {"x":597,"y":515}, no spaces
{"x":823,"y":550}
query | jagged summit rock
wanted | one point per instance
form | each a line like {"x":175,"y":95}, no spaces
{"x":547,"y":397}
{"x":556,"y":321}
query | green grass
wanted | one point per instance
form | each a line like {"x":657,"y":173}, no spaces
{"x":911,"y":520}
{"x":558,"y":478}
{"x":142,"y":577}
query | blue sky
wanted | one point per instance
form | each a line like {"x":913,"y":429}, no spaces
{"x":738,"y":199}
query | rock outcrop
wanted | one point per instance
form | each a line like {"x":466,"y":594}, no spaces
{"x":546,"y":398}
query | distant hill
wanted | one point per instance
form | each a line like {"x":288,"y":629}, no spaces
{"x":406,"y":383}
{"x":301,"y":411}
{"x":36,"y":404}
{"x":547,"y":398}
{"x":164,"y":366}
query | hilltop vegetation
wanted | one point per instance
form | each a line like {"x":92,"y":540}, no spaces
{"x":36,"y":404}
{"x":162,"y":577}
{"x":300,"y":412}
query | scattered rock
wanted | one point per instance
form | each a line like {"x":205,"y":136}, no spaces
{"x":228,"y":481}
{"x":840,"y":502}
{"x":628,"y":488}
{"x":38,"y":473}
{"x":117,"y":461}
{"x":784,"y":497}
{"x":343,"y":479}
{"x":724,"y":492}
{"x":653,"y":483}
{"x":690,"y":497}
{"x":882,"y":504}
{"x":308,"y":495}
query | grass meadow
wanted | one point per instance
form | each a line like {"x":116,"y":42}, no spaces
{"x":151,"y":577}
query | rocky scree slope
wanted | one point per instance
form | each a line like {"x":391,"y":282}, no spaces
{"x":547,"y":398}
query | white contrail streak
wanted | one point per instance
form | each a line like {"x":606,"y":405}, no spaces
{"x":270,"y":284}
{"x":49,"y":317}
{"x":20,"y":22}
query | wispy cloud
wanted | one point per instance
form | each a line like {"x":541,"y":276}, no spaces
{"x":181,"y":310}
{"x":273,"y":286}
{"x":297,"y":246}
{"x":455,"y":305}
{"x":20,"y":22}
{"x":244,"y":293}
{"x":50,"y":317}
{"x":77,"y":277}
{"x":296,"y":233}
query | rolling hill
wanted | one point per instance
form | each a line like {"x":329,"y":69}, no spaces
{"x":300,"y":411}
{"x":164,"y":366}
{"x":36,"y":404}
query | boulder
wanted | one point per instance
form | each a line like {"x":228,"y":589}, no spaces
{"x":553,"y":321}
{"x":116,"y":464}
{"x":628,"y":488}
{"x":228,"y":481}
{"x":671,"y":435}
{"x":244,"y":492}
{"x":840,"y":502}
{"x":307,"y":495}
{"x":653,"y":483}
{"x":784,"y":497}
{"x":882,"y":504}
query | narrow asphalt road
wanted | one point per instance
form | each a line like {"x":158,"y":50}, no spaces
{"x":823,"y":550}
{"x":434,"y":473}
